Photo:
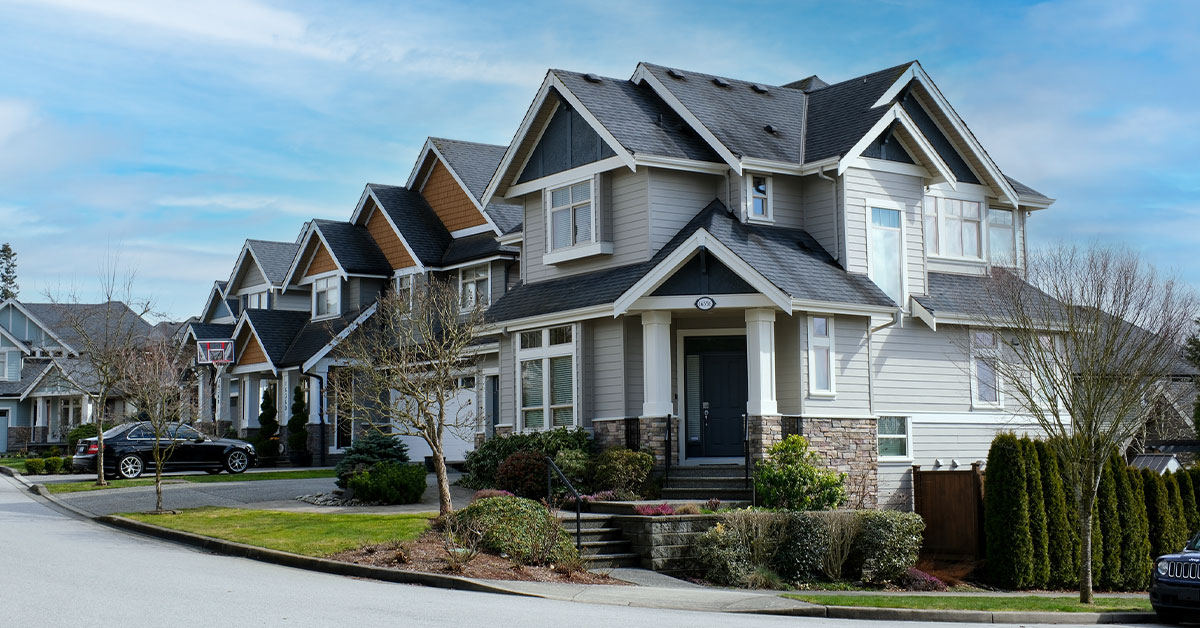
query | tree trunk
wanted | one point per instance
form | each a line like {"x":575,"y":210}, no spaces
{"x":99,"y":418}
{"x":158,"y":483}
{"x":445,"y":506}
{"x":1085,"y":545}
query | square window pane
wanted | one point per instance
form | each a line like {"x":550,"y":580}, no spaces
{"x":889,"y":218}
{"x":951,"y":207}
{"x":535,"y":419}
{"x":970,"y":209}
{"x":583,"y":224}
{"x":1000,"y":217}
{"x":531,"y":339}
{"x":821,"y":327}
{"x":893,"y":447}
{"x":563,"y":417}
{"x":531,"y":383}
{"x":560,"y":197}
{"x":560,"y":229}
{"x":985,"y":339}
{"x":581,"y":192}
{"x":560,"y":335}
{"x":760,"y":186}
{"x":821,"y":368}
{"x":892,"y":426}
{"x":561,"y":381}
{"x":970,"y":239}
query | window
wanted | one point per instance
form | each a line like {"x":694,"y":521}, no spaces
{"x":953,"y":228}
{"x":185,"y":432}
{"x":546,"y":364}
{"x":571,"y":215}
{"x":257,"y":301}
{"x":404,"y":289}
{"x":984,"y":374}
{"x":759,"y":202}
{"x":820,"y":356}
{"x":893,"y":438}
{"x":326,"y":296}
{"x":473,"y":284}
{"x":887,"y":250}
{"x":1002,"y":241}
{"x":3,"y":366}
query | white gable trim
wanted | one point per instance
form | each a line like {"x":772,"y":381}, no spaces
{"x":238,"y":266}
{"x":239,"y":351}
{"x":925,"y":315}
{"x":642,"y":73}
{"x":680,"y":256}
{"x":49,"y":332}
{"x":897,"y":114}
{"x":38,"y":380}
{"x":319,"y":355}
{"x":291,"y":275}
{"x":362,"y":202}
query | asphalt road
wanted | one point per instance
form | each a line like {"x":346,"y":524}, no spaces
{"x":189,"y":495}
{"x":65,"y":571}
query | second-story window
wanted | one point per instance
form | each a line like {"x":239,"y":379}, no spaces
{"x":759,"y":201}
{"x":257,"y":301}
{"x":887,"y":253}
{"x":326,"y":296}
{"x":473,"y":285}
{"x":953,"y":227}
{"x":571,"y":215}
{"x":4,"y":366}
{"x":985,"y":356}
{"x":1002,"y":242}
{"x":820,"y":356}
{"x":404,"y":289}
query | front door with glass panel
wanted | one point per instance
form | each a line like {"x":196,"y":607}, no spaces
{"x":715,"y":395}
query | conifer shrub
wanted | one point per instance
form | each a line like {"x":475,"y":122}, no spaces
{"x":297,"y":425}
{"x":267,"y":441}
{"x":390,"y":483}
{"x":54,"y":465}
{"x":1006,"y":515}
{"x":1178,"y":532}
{"x":1110,"y":578}
{"x":1137,"y":562}
{"x":1157,"y":513}
{"x":1060,"y":536}
{"x":1037,"y":515}
{"x":367,"y":451}
{"x":621,"y":469}
{"x":1187,"y":492}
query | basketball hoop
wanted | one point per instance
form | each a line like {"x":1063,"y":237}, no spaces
{"x":216,"y":352}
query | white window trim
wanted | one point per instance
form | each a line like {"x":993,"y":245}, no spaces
{"x":411,"y":285}
{"x":991,"y":353}
{"x":263,"y":297}
{"x":750,"y":195}
{"x":4,"y":365}
{"x":544,"y":353}
{"x":814,"y":342}
{"x":547,"y":200}
{"x":336,"y":311}
{"x":1012,"y":227}
{"x":487,"y":271}
{"x":957,"y":196}
{"x":892,"y":205}
{"x":908,"y":442}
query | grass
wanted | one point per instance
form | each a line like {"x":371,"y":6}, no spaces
{"x":14,"y":463}
{"x":311,"y":534}
{"x":1063,"y":603}
{"x":90,"y":484}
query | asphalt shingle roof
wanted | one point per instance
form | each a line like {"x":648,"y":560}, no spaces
{"x":313,"y":337}
{"x":30,"y":371}
{"x":1024,"y":190}
{"x":969,"y":295}
{"x":475,"y":164}
{"x":277,"y":329}
{"x":416,"y":221}
{"x":275,"y":258}
{"x":212,"y":331}
{"x":354,"y":248}
{"x":92,"y":319}
{"x":475,"y":247}
{"x":841,"y":114}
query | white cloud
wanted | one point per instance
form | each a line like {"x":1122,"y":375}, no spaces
{"x":19,"y":222}
{"x":248,"y":203}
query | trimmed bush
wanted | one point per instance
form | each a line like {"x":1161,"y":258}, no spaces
{"x":791,"y":477}
{"x":1157,"y":513}
{"x":482,"y":464}
{"x":34,"y":466}
{"x":1187,"y":493}
{"x":1097,"y":546}
{"x":621,"y":469}
{"x":1006,"y":516}
{"x":53,"y":465}
{"x":390,"y":483}
{"x":297,"y":425}
{"x":804,"y":543}
{"x":523,"y":474}
{"x":577,"y":466}
{"x":267,"y":441}
{"x":522,"y":529}
{"x":1059,"y":534}
{"x":368,"y":450}
{"x":1108,"y":507}
{"x":1037,"y":515}
{"x":489,"y":492}
{"x":721,"y":556}
{"x":80,"y":432}
{"x":1194,"y":472}
{"x":887,"y":545}
{"x":1136,"y":561}
{"x":1178,"y":531}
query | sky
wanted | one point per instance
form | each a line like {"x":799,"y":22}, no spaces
{"x":157,"y":136}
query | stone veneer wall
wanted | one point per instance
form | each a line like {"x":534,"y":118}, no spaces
{"x":851,"y":447}
{"x":652,"y":436}
{"x":765,"y":431}
{"x":40,"y":434}
{"x":608,"y":434}
{"x":18,"y":438}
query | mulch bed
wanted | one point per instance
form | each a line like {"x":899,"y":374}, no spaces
{"x":426,"y":554}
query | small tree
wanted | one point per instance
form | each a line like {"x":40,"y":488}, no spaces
{"x":268,"y":426}
{"x":297,"y":425}
{"x":792,"y":477}
{"x":1060,"y":534}
{"x":1136,"y":562}
{"x":403,"y":368}
{"x":1006,"y":515}
{"x":8,"y":273}
{"x":1037,"y":515}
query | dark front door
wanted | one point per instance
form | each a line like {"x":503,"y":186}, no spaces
{"x":720,"y":395}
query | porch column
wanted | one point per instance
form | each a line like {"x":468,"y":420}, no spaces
{"x":760,"y":353}
{"x":204,"y":394}
{"x":85,"y":409}
{"x":656,"y":363}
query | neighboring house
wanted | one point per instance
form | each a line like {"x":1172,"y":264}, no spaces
{"x":686,"y":263}
{"x":46,"y":384}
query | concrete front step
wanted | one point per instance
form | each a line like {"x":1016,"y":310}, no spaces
{"x":701,"y":494}
{"x":709,"y":470}
{"x":715,"y":482}
{"x":610,"y":561}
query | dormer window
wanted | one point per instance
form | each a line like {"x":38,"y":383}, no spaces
{"x":474,"y":283}
{"x":326,"y":297}
{"x":404,"y":289}
{"x":257,"y":301}
{"x":759,"y":201}
{"x":953,"y":228}
{"x":572,"y":216}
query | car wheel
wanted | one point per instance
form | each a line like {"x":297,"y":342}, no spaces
{"x":236,"y":461}
{"x":130,"y":466}
{"x":212,"y":471}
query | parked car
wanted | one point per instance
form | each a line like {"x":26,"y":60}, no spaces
{"x":1175,"y":584}
{"x":128,"y":451}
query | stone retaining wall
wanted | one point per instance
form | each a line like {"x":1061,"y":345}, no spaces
{"x":664,"y":544}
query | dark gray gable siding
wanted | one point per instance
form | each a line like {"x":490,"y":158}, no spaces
{"x":887,"y":147}
{"x":274,"y":257}
{"x":703,"y":274}
{"x":568,"y":142}
{"x":354,"y":248}
{"x":944,"y":148}
{"x":416,"y":220}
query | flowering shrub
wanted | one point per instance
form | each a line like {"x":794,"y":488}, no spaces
{"x":914,"y":579}
{"x":490,"y":492}
{"x":650,"y":510}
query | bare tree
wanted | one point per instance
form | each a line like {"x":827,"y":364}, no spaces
{"x":403,"y":366}
{"x":157,"y":380}
{"x":1082,"y":345}
{"x":101,"y":335}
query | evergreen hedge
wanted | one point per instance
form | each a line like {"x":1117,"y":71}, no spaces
{"x":1006,"y":515}
{"x":1187,"y":492}
{"x":1097,"y":545}
{"x":1060,"y":536}
{"x":1137,"y":561}
{"x":1037,"y":515}
{"x":1111,"y":575}
{"x":1157,"y":512}
{"x":1194,"y":472}
{"x":1178,"y":532}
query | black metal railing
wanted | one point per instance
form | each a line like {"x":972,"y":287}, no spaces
{"x":552,"y":470}
{"x":746,"y":447}
{"x":633,"y":434}
{"x":667,"y":453}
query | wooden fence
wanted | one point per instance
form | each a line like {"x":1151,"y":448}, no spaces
{"x":951,"y":503}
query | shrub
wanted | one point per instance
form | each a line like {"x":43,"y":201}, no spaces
{"x":1097,"y":546}
{"x":483,"y":463}
{"x":741,"y":549}
{"x":621,"y":469}
{"x":1037,"y":515}
{"x":390,"y":483}
{"x":53,"y":465}
{"x":792,"y":478}
{"x":52,"y":452}
{"x":914,"y":579}
{"x":1194,"y":472}
{"x":576,"y":465}
{"x":1006,"y":516}
{"x":1060,"y":537}
{"x":373,"y":447}
{"x":34,"y":466}
{"x":522,"y":529}
{"x":1136,"y":561}
{"x":843,"y":527}
{"x":1187,"y":493}
{"x":461,"y":541}
{"x":1157,"y":512}
{"x":887,"y":545}
{"x":523,"y":474}
{"x":297,"y":425}
{"x":80,"y":432}
{"x":804,"y":543}
{"x":721,"y":556}
{"x":654,"y":510}
{"x":1111,"y":575}
{"x":267,"y":440}
{"x":1179,"y":533}
{"x":688,"y":509}
{"x":490,"y":492}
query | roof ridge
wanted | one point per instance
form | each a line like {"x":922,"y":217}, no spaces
{"x":868,"y":74}
{"x":707,"y":75}
{"x":448,"y":139}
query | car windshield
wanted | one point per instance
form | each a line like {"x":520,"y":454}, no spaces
{"x":1195,"y":544}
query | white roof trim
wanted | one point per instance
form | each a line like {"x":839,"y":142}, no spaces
{"x":291,"y":274}
{"x":49,"y":332}
{"x":430,"y":147}
{"x":642,"y":73}
{"x":925,"y":315}
{"x":896,"y":113}
{"x":245,"y":320}
{"x":13,"y":339}
{"x":238,"y":265}
{"x":38,"y":380}
{"x":554,"y":318}
{"x":680,"y":256}
{"x":319,"y":355}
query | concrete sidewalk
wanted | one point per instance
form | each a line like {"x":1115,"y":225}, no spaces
{"x":695,"y":598}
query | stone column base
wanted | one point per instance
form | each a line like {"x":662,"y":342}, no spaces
{"x":765,"y":431}
{"x":40,"y":434}
{"x":609,"y":434}
{"x":849,"y":446}
{"x":18,"y":438}
{"x":652,"y":439}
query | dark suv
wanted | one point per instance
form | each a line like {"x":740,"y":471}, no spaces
{"x":1175,"y":584}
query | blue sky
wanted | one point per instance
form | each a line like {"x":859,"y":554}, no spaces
{"x":168,"y":132}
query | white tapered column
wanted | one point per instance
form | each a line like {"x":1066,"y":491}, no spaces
{"x":656,"y":363}
{"x":760,"y":355}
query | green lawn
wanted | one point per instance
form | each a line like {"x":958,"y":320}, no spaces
{"x":979,"y":602}
{"x":15,"y":463}
{"x":311,"y":534}
{"x":148,"y":480}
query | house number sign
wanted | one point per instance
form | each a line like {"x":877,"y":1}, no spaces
{"x":705,"y":304}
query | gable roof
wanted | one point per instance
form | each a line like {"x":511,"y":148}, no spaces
{"x":31,"y":372}
{"x":841,"y":114}
{"x":353,"y":248}
{"x":274,"y":258}
{"x":416,"y":221}
{"x":475,"y":246}
{"x":315,"y":336}
{"x":210,"y":331}
{"x":92,"y":318}
{"x":275,"y":330}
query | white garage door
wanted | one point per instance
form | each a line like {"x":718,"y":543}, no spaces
{"x":454,"y":445}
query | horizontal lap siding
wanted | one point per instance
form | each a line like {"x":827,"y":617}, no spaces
{"x":24,"y":329}
{"x":508,"y":380}
{"x":634,"y":384}
{"x":788,"y":362}
{"x":788,"y":195}
{"x":851,"y":374}
{"x":606,"y":361}
{"x":820,"y":212}
{"x":917,"y":369}
{"x":863,"y":186}
{"x":675,"y":198}
{"x":295,"y":300}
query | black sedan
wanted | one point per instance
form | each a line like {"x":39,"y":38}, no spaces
{"x":129,"y":451}
{"x":1175,"y":584}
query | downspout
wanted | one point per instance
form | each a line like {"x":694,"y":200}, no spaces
{"x":321,"y":411}
{"x":837,"y":238}
{"x":870,"y":362}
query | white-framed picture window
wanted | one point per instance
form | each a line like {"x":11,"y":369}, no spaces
{"x":760,"y":200}
{"x":474,"y":283}
{"x":953,"y":227}
{"x":986,"y":387}
{"x":548,"y":382}
{"x":895,"y":436}
{"x":257,"y":301}
{"x":1002,"y":237}
{"x":887,"y":252}
{"x":572,"y":215}
{"x":326,"y":294}
{"x":821,"y":376}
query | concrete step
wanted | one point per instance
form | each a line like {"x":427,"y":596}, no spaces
{"x":717,"y":482}
{"x":702,"y":494}
{"x":709,"y":470}
{"x":596,"y":548}
{"x":630,"y":508}
{"x":608,"y":561}
{"x":588,"y":521}
{"x":596,"y":534}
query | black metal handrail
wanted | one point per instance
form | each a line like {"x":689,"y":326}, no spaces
{"x":746,"y":451}
{"x":667,"y":470}
{"x":552,"y":470}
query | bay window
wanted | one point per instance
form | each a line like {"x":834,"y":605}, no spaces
{"x":985,"y":377}
{"x":887,"y":253}
{"x":572,"y":216}
{"x":1002,"y":242}
{"x":473,"y":285}
{"x":546,"y":366}
{"x":327,"y":296}
{"x":893,"y":438}
{"x":820,"y":356}
{"x":953,"y":227}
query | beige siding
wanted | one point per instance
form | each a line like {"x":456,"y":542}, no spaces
{"x":864,"y":186}
{"x":850,"y":369}
{"x":820,"y":212}
{"x":634,"y":385}
{"x":675,"y":198}
{"x":919,"y":370}
{"x":606,"y":364}
{"x":788,"y":196}
{"x":788,"y":363}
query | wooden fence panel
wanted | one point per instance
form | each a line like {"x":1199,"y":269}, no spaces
{"x":951,"y":503}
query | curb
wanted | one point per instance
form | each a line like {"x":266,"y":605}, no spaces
{"x":964,"y":617}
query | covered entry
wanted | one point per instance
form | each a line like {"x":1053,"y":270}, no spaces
{"x":714,"y":395}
